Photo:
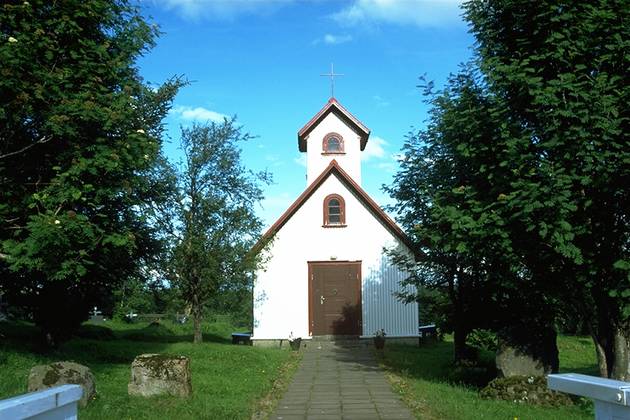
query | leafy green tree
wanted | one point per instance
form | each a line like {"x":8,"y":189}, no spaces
{"x":560,"y":70}
{"x":544,"y":207}
{"x":80,"y":133}
{"x":216,"y":223}
{"x":448,"y":204}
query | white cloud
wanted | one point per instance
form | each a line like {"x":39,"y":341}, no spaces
{"x":301,"y":160}
{"x":387,"y":167}
{"x":380,"y":102}
{"x":220,"y":9}
{"x":375,"y":148}
{"x":273,"y":159}
{"x":336,"y":39}
{"x":331,"y":39}
{"x":431,"y":13}
{"x":198,"y":114}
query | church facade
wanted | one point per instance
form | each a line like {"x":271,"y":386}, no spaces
{"x":326,"y":272}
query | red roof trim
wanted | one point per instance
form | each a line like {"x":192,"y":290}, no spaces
{"x":333,"y":106}
{"x":353,"y":186}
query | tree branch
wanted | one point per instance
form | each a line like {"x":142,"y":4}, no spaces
{"x":42,"y":140}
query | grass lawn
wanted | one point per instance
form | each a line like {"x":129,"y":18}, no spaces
{"x":426,"y":378}
{"x":228,"y":381}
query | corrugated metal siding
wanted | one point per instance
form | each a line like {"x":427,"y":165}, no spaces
{"x":381,"y":309}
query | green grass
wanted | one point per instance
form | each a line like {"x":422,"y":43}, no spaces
{"x":227,"y":380}
{"x":427,"y":380}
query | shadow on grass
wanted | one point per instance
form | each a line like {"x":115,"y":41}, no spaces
{"x":433,"y":361}
{"x":157,"y":332}
{"x":96,"y":345}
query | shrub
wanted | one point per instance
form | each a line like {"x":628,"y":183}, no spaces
{"x":524,"y":389}
{"x":482,"y":339}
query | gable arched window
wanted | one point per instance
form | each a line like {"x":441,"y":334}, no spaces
{"x":333,"y":143}
{"x":334,"y":211}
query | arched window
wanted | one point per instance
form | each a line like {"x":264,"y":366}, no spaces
{"x":333,"y":143}
{"x":334,"y":211}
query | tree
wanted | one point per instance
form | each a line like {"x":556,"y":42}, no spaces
{"x":448,"y":204}
{"x":560,"y":71}
{"x":79,"y":135}
{"x":216,"y":223}
{"x":546,"y":209}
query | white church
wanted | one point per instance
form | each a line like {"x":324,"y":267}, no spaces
{"x":326,"y":273}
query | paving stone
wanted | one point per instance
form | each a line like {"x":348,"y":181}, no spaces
{"x":334,"y":382}
{"x":296,"y":398}
{"x":357,"y":400}
{"x":329,"y":411}
{"x":290,"y":412}
{"x":359,"y":417}
{"x":320,"y":408}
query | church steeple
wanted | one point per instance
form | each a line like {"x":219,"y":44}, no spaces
{"x":333,"y":133}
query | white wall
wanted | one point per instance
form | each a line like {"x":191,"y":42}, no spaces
{"x":350,"y":161}
{"x":281,"y":290}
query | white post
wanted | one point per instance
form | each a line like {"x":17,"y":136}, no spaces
{"x":611,"y":397}
{"x":58,"y":403}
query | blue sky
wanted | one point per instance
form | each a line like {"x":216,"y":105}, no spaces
{"x":261,"y":61}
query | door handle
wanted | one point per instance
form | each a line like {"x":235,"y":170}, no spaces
{"x":322,"y":299}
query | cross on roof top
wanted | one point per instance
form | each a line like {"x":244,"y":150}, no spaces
{"x":332,"y":75}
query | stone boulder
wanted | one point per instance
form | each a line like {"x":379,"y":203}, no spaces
{"x":159,"y":374}
{"x":62,"y":373}
{"x":513,"y":362}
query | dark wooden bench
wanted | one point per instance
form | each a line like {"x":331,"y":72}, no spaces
{"x":426,"y":331}
{"x":244,"y":338}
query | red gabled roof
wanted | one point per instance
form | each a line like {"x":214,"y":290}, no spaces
{"x":333,"y":106}
{"x":334,"y":167}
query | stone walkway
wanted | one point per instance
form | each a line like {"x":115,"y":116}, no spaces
{"x":338,"y":382}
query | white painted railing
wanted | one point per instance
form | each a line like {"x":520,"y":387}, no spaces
{"x":58,"y":403}
{"x":611,"y":397}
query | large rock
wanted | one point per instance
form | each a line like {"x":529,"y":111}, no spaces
{"x":158,"y":374}
{"x":514,"y":362}
{"x":61,"y":373}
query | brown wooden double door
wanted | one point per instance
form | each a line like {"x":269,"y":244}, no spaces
{"x":335,"y":298}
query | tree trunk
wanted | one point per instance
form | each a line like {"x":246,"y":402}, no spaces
{"x":196,"y":313}
{"x":459,"y":343}
{"x":621,"y":360}
{"x":460,"y":328}
{"x":602,"y":360}
{"x":613,"y":354}
{"x":197,"y":337}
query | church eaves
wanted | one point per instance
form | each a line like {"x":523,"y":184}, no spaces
{"x":333,"y":106}
{"x":366,"y":200}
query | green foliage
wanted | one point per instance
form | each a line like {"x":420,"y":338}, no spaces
{"x":482,"y":339}
{"x":560,"y":73}
{"x":434,"y":307}
{"x":80,"y":134}
{"x":520,"y":179}
{"x":142,"y":297}
{"x":215,"y":220}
